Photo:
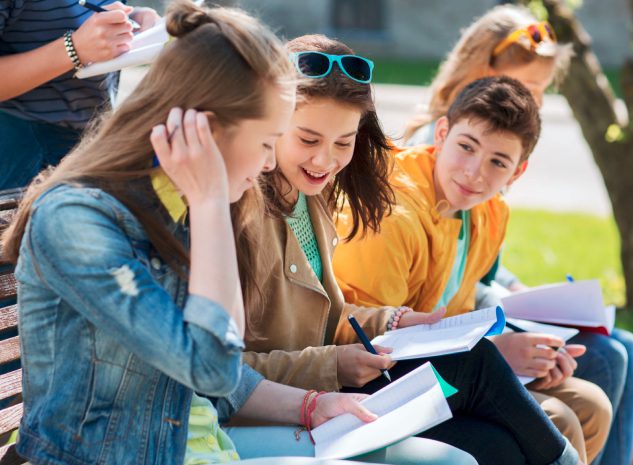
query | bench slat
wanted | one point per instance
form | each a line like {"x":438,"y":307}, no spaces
{"x":8,"y":456}
{"x":8,"y":317}
{"x":8,"y":285}
{"x":10,"y":418}
{"x":10,"y":384}
{"x":9,"y":350}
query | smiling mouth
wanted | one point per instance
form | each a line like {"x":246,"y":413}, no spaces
{"x":314,"y":176}
{"x":466,"y":190}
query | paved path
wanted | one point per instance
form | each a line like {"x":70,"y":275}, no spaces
{"x":562,"y":175}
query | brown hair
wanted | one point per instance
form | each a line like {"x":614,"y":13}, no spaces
{"x":364,"y":183}
{"x":222,"y":61}
{"x":471,"y":59}
{"x":504,"y":105}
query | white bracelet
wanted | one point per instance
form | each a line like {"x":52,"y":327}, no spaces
{"x":394,"y":319}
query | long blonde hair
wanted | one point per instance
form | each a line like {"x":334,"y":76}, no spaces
{"x":222,"y":61}
{"x":471,"y":59}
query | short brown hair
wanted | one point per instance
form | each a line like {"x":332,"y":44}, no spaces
{"x":504,"y":104}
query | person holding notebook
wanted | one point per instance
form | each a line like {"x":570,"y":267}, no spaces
{"x":508,"y":40}
{"x":43,"y":107}
{"x":298,"y":332}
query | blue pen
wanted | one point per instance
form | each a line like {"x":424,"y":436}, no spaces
{"x":570,"y":278}
{"x":365,"y":341}
{"x":98,"y":9}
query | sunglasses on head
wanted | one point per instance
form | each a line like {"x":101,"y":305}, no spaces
{"x":318,"y":65}
{"x":537,"y":34}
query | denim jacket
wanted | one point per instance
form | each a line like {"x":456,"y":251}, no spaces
{"x":112,"y":344}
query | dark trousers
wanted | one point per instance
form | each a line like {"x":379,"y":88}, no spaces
{"x":27,"y":147}
{"x":495,"y":419}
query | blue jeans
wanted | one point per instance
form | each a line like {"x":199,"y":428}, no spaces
{"x":279,"y":441}
{"x":27,"y":147}
{"x":608,"y":363}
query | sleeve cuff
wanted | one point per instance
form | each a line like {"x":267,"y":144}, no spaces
{"x":212,"y":317}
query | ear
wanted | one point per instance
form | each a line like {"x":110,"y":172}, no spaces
{"x":518,"y":172}
{"x":213,"y":122}
{"x":441,"y":131}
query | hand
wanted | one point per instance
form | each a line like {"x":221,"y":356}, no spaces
{"x":565,"y":367}
{"x":104,"y":35}
{"x":333,"y":404}
{"x":517,"y":286}
{"x":421,"y":318}
{"x":146,"y":17}
{"x":356,"y":367}
{"x":529,"y":354}
{"x":187,"y":152}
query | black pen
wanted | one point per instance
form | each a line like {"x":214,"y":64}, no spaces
{"x":98,"y":9}
{"x":365,"y":341}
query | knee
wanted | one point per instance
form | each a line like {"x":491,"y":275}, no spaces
{"x":565,"y":421}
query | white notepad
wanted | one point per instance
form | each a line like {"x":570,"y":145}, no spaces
{"x":145,"y":47}
{"x":578,"y":304}
{"x":450,"y":335}
{"x":406,"y":407}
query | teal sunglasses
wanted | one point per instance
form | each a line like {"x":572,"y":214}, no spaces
{"x":318,"y":65}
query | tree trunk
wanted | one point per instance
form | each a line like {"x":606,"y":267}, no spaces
{"x":611,"y":141}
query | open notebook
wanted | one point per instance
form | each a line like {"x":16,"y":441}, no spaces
{"x":145,"y":47}
{"x":578,"y":304}
{"x":450,"y":335}
{"x":408,"y":406}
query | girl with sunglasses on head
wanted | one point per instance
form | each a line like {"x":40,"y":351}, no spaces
{"x":508,"y":40}
{"x":298,"y":333}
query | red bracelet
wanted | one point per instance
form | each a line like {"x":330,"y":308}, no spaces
{"x":304,"y":406}
{"x":311,"y":409}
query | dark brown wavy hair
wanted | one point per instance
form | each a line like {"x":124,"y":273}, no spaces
{"x":364,"y":183}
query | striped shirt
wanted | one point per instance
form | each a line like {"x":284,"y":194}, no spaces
{"x":65,"y":100}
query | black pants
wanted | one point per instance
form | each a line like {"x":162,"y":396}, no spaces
{"x":494,"y":419}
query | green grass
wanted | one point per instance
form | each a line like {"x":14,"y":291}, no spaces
{"x":542,"y":247}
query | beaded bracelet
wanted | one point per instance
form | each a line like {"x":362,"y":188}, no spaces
{"x":70,"y":50}
{"x":394,"y":319}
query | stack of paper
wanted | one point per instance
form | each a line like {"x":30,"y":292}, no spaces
{"x":454,"y":334}
{"x":578,"y":304}
{"x":406,"y":407}
{"x":145,"y":47}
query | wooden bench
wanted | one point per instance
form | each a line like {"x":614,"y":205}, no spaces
{"x":11,"y":382}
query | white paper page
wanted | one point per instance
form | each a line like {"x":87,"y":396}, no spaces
{"x":146,"y":46}
{"x":412,"y":345}
{"x":564,"y":333}
{"x":450,"y":335}
{"x":406,"y":407}
{"x":578,"y":303}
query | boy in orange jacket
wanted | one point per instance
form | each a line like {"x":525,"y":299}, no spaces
{"x":446,"y":230}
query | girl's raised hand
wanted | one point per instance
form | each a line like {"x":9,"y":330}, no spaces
{"x":190,"y":157}
{"x":333,"y":404}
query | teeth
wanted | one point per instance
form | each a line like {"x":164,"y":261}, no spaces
{"x":314,"y":174}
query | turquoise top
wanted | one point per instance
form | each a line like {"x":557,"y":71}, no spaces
{"x":301,"y":226}
{"x":457,"y":272}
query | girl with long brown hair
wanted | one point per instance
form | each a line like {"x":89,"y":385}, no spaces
{"x":124,"y":309}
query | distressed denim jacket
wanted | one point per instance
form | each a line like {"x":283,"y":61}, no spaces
{"x":112,"y":344}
